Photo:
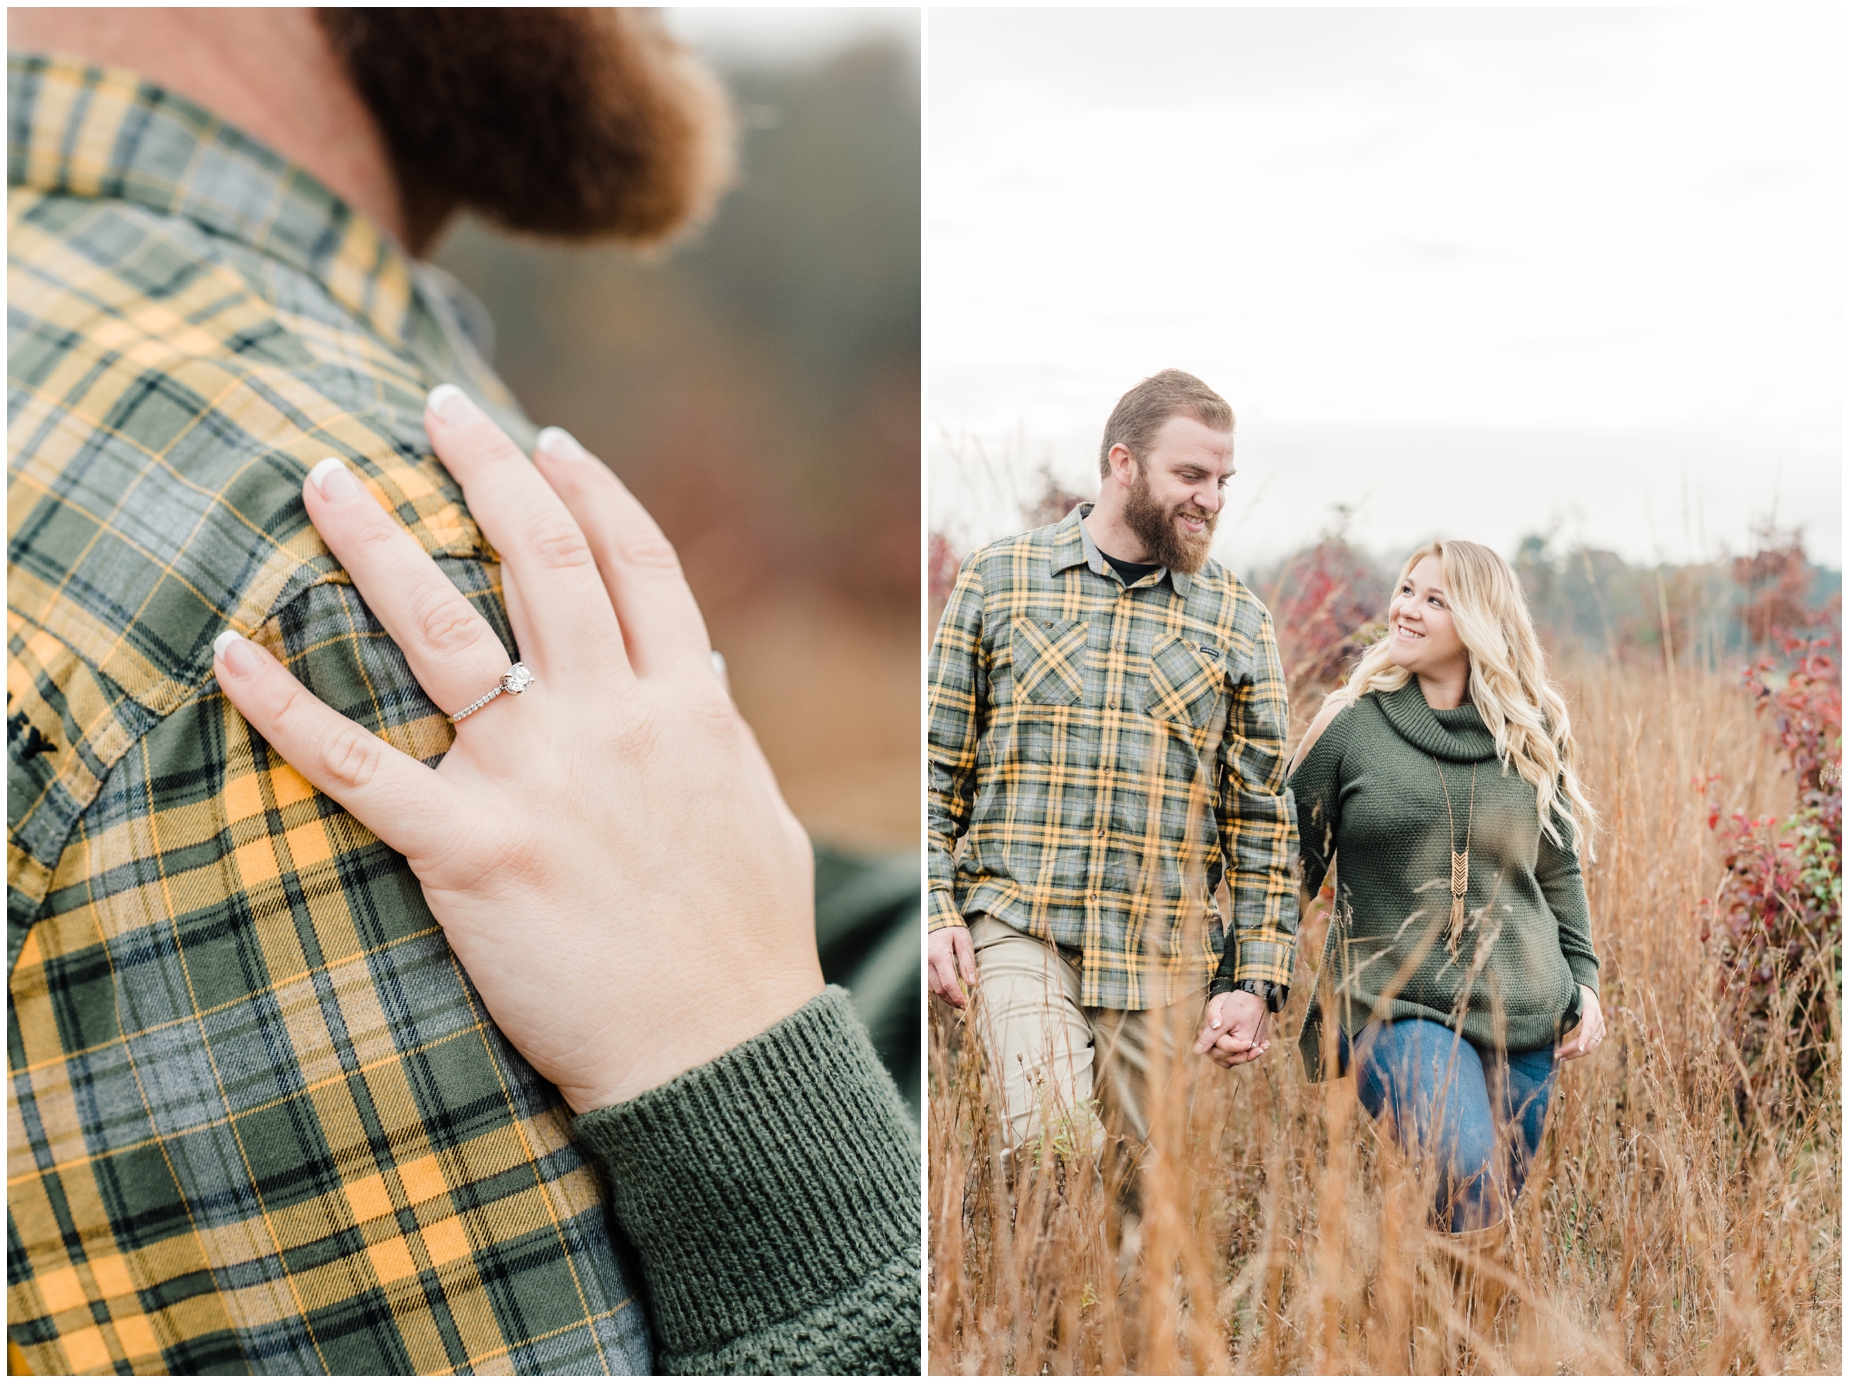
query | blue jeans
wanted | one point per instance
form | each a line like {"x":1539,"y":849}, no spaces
{"x":1478,"y":1113}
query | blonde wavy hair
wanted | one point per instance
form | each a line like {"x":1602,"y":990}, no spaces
{"x":1508,"y":681}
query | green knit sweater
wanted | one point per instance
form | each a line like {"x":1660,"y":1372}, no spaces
{"x":772,"y":1200}
{"x":1369,"y":794}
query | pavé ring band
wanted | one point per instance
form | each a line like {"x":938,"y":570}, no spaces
{"x":514,"y":681}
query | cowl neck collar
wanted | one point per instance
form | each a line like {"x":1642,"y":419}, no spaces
{"x":1458,"y":735}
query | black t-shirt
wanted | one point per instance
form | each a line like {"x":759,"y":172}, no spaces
{"x":1132,"y":572}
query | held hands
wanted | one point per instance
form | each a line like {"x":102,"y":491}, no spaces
{"x":1588,"y":1033}
{"x":1235,"y":1028}
{"x":951,"y":956}
{"x":607,"y":852}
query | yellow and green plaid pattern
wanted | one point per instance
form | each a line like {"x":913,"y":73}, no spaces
{"x":1106,"y":755}
{"x":257,"y":1118}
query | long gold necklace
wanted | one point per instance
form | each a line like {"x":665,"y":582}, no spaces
{"x":1460,"y":862}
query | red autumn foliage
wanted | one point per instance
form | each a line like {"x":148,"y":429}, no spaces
{"x":1775,"y":582}
{"x":1326,"y":603}
{"x":1776,"y":922}
{"x":941,"y":564}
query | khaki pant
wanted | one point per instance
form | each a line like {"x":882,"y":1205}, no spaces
{"x":1050,"y":1055}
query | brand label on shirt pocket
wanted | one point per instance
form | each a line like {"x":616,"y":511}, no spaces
{"x":1049,"y":661}
{"x":1185,"y":679}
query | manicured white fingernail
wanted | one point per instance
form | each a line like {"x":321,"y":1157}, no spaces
{"x":452,"y":405}
{"x":333,"y":480}
{"x":556,"y":441}
{"x":237,"y":652}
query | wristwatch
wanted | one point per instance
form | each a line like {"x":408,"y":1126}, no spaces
{"x":1274,"y":995}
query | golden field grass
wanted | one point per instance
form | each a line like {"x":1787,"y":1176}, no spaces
{"x":1665,"y":1228}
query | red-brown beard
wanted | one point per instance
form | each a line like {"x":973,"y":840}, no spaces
{"x":1163,"y":539}
{"x":575,"y":123}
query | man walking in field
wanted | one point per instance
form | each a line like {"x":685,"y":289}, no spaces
{"x":1107,"y":733}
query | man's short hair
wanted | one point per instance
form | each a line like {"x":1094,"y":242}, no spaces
{"x":1139,"y":414}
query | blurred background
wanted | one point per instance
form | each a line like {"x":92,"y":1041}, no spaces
{"x":757,"y":388}
{"x":1566,"y":282}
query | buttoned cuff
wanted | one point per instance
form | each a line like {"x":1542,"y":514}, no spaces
{"x":1261,"y":960}
{"x":943,"y":912}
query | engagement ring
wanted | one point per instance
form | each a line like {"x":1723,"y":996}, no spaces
{"x":514,"y":681}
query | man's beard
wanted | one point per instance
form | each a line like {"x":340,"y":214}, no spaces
{"x":565,"y":122}
{"x":1165,"y":543}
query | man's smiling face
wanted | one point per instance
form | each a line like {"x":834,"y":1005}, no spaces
{"x":1175,"y":498}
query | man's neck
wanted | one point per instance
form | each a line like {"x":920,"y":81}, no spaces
{"x":1109,"y":533}
{"x":269,"y":72}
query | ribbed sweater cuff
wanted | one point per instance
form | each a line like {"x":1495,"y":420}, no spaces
{"x":764,"y":1183}
{"x":1585,"y":971}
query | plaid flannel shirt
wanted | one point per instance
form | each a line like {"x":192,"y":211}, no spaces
{"x":257,"y":1117}
{"x":1107,"y":754}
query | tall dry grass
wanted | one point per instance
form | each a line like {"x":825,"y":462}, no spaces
{"x":1671,"y":1223}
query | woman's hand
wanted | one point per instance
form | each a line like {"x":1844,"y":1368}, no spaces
{"x":1588,"y":1033}
{"x":607,"y":851}
{"x":1235,"y":1028}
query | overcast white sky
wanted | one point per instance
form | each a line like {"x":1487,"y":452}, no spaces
{"x":774,"y":36}
{"x":1473,"y":272}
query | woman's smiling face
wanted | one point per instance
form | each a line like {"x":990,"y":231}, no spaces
{"x":1424,"y":639}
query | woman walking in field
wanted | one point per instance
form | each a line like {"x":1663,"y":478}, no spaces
{"x":1442,"y":776}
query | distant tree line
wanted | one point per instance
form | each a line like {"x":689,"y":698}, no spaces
{"x":1328,"y":599}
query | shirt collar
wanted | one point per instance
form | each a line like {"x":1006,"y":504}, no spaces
{"x":1072,"y":547}
{"x":85,"y":131}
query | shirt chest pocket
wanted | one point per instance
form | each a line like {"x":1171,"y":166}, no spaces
{"x":1049,"y":661}
{"x":1185,"y":681}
